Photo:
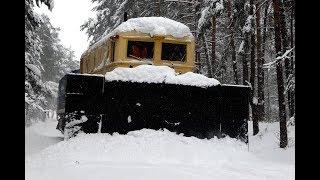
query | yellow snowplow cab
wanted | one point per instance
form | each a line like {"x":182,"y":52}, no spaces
{"x":130,"y":49}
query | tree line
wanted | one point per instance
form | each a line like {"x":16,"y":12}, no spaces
{"x":46,"y":61}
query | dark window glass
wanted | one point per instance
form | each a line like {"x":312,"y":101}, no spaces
{"x":173,"y":52}
{"x":140,"y":50}
{"x":113,"y":44}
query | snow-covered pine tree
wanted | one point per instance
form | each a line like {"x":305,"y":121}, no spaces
{"x":211,"y":9}
{"x":46,"y":61}
{"x":35,"y":89}
{"x":55,"y":58}
{"x":109,"y":14}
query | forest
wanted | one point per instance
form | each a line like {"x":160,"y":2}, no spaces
{"x":242,"y":42}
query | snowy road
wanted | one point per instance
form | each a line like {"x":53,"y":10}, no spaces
{"x":41,"y":135}
{"x":149,"y":154}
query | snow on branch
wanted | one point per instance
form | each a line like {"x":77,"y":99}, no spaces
{"x":214,"y":8}
{"x":240,"y":50}
{"x":48,"y":3}
{"x":278,"y":59}
{"x":75,"y":122}
{"x":290,"y":84}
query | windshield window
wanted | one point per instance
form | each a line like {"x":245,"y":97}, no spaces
{"x":140,"y":50}
{"x":174,"y":52}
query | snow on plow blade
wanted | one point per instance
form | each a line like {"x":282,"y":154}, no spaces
{"x":121,"y":107}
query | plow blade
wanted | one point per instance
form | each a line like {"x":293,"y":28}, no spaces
{"x":194,"y":111}
{"x":121,"y":107}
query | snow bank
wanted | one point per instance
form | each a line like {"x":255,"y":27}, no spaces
{"x":149,"y":25}
{"x":159,"y":74}
{"x":150,"y":154}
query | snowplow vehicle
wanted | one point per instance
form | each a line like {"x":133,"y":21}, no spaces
{"x":140,"y":75}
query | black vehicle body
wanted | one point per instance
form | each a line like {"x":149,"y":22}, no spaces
{"x":121,"y":107}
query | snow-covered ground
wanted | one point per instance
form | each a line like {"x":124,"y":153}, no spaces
{"x":41,"y":135}
{"x":149,"y":154}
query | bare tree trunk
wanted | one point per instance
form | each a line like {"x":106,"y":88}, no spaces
{"x":241,"y":15}
{"x":197,"y":47}
{"x":281,"y":99}
{"x":253,"y":72}
{"x":244,"y":55}
{"x":232,"y":45}
{"x":287,"y":63}
{"x":252,"y":50}
{"x":245,"y":68}
{"x":268,"y":96}
{"x":284,"y":37}
{"x":134,"y":9}
{"x":260,"y":62}
{"x":208,"y":62}
{"x":291,"y":97}
{"x":264,"y":40}
{"x":292,"y":34}
{"x":213,"y":44}
{"x":159,"y":7}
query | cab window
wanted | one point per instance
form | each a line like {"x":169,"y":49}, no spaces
{"x":113,"y":45}
{"x":174,"y":52}
{"x":140,"y":50}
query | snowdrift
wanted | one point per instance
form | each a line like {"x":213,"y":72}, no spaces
{"x":150,"y":154}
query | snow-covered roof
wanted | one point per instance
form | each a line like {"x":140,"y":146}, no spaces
{"x":155,"y":26}
{"x":159,"y":74}
{"x":150,"y":25}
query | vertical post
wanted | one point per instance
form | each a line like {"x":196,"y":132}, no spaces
{"x":125,"y":17}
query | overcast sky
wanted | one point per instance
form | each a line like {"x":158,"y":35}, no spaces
{"x":69,"y":15}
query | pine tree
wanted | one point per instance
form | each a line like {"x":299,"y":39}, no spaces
{"x":35,"y":89}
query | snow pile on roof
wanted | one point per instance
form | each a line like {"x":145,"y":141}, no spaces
{"x":155,"y":26}
{"x":150,"y":25}
{"x":159,"y":74}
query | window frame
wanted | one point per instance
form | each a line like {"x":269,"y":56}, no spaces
{"x":112,"y":49}
{"x":140,"y":40}
{"x":174,"y":42}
